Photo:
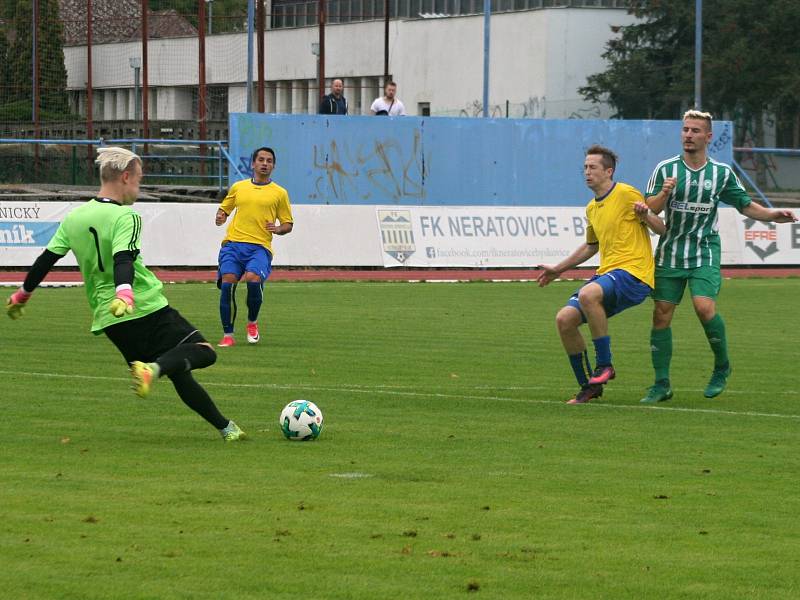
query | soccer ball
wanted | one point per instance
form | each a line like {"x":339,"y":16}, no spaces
{"x":301,"y":420}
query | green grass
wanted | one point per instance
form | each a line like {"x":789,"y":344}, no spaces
{"x":449,"y":465}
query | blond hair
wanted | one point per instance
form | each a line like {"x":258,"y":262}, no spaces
{"x":699,"y":115}
{"x":113,"y":161}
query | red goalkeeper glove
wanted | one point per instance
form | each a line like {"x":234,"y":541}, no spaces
{"x":122,"y":304}
{"x":15,"y":306}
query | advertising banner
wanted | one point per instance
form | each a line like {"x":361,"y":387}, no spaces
{"x":419,"y":236}
{"x":433,"y":236}
{"x":180,"y":234}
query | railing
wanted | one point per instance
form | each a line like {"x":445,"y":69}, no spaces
{"x":748,"y":179}
{"x":221,"y":160}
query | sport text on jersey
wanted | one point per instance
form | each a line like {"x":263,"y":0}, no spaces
{"x":697,"y":208}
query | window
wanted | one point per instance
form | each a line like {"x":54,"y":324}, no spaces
{"x":303,"y":13}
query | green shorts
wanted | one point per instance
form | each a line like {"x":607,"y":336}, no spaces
{"x":671,"y":283}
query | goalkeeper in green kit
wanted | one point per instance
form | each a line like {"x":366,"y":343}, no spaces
{"x":125,"y":297}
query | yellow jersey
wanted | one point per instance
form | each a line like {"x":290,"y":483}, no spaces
{"x":624,"y":240}
{"x":255,"y":204}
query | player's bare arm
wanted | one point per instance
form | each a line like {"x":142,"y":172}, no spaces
{"x":773,"y":215}
{"x":657,"y":202}
{"x":550,"y":272}
{"x":646,"y":216}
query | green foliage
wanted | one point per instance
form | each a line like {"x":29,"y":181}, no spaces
{"x":52,"y":79}
{"x":20,"y":110}
{"x":650,"y":64}
{"x":7,"y":10}
{"x":448,"y":463}
{"x":227,"y":15}
{"x":751,"y":56}
{"x":3,"y":67}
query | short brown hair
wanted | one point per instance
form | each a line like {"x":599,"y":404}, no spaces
{"x":609,"y":158}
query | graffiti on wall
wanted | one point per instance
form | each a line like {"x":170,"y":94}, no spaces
{"x":722,"y":139}
{"x":535,"y":107}
{"x":585,"y":113}
{"x":381,"y":170}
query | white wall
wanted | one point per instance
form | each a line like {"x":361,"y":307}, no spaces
{"x":538,"y":58}
{"x":575,"y":41}
{"x":174,"y":104}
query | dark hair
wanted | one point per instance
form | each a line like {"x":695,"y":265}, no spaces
{"x":388,"y":83}
{"x":265,"y":149}
{"x":609,"y":158}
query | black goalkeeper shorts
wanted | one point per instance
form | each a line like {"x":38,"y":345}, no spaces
{"x":149,"y":337}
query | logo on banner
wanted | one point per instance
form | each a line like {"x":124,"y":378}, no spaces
{"x":761,"y":238}
{"x":397,"y":234}
{"x":26,"y":233}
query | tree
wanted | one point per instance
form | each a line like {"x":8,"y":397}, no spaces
{"x":3,"y":67}
{"x":7,"y":11}
{"x":228,"y":15}
{"x":751,"y":56}
{"x":650,"y":69}
{"x":52,"y":79}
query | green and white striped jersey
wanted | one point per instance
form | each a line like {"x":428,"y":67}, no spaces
{"x":692,"y":239}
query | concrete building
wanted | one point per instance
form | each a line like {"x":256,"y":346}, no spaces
{"x":539,"y":59}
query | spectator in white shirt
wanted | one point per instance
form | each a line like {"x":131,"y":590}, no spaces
{"x":388,"y":104}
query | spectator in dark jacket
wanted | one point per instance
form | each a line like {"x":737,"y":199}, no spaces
{"x":334,"y":103}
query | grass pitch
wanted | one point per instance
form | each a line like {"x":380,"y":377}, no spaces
{"x":448,"y":466}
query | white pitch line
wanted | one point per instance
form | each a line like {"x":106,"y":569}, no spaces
{"x":728,"y":392}
{"x":44,"y":284}
{"x":376,"y":390}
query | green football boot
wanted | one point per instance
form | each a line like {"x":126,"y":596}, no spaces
{"x":232,"y":433}
{"x":717,"y":383}
{"x":659,"y":392}
{"x":143,"y":378}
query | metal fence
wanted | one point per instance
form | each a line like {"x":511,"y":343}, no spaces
{"x":773,"y":169}
{"x":54,"y":74}
{"x":166,"y":162}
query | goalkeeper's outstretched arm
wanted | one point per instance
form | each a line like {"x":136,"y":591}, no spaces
{"x":41,"y":267}
{"x":122,"y":304}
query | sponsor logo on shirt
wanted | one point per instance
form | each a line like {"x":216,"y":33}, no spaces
{"x":697,"y":208}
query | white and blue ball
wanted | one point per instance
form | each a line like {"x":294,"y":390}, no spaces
{"x":301,"y":421}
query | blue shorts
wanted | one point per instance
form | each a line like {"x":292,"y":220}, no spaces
{"x":238,"y":258}
{"x":621,"y":290}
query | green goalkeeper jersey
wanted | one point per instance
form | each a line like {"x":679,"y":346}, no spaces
{"x":692,"y":238}
{"x":95,"y":232}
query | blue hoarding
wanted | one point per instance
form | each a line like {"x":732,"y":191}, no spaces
{"x":451,"y":161}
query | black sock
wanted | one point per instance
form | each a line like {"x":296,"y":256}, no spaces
{"x":186,"y":357}
{"x":197,"y":398}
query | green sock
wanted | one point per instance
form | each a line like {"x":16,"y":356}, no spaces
{"x":715,"y":332}
{"x":661,"y":351}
